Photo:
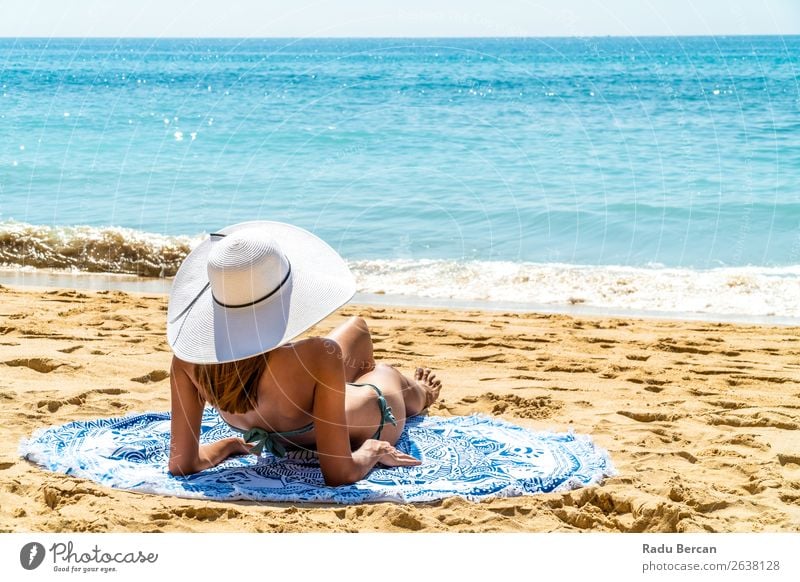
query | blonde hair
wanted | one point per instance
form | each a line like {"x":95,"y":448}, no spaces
{"x":232,"y":386}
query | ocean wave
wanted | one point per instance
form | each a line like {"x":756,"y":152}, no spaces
{"x":745,"y":291}
{"x":92,"y":249}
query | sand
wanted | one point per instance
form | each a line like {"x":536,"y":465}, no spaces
{"x":702,"y":420}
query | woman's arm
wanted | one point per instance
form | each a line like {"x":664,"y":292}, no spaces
{"x":340,"y":465}
{"x":186,"y":456}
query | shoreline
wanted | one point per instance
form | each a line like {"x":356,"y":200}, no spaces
{"x":700,"y":419}
{"x":56,"y":279}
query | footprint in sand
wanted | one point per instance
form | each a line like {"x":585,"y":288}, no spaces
{"x":572,"y":369}
{"x":600,"y":340}
{"x":771,"y":419}
{"x":80,"y":399}
{"x":493,"y":358}
{"x":593,"y":508}
{"x":154,"y":376}
{"x":704,"y":501}
{"x":749,"y":440}
{"x":41,"y":365}
{"x":642,"y":416}
{"x":770,"y":379}
{"x":785,"y":459}
{"x":198,"y":513}
{"x":404,"y":519}
{"x":70,"y":349}
{"x":67,"y":493}
{"x":511,"y":404}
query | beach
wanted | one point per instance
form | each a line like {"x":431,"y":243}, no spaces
{"x":701,"y":419}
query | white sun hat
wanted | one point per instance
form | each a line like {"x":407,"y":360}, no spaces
{"x":250,"y":288}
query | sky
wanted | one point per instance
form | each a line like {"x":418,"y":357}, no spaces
{"x":394,"y":18}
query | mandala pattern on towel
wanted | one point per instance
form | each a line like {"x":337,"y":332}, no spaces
{"x":474,"y":457}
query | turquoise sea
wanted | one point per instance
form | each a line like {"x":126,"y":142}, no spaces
{"x":648,"y":174}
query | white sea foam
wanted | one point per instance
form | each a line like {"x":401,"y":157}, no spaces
{"x":741,"y":291}
{"x":760,"y":292}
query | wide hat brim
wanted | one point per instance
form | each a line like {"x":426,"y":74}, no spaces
{"x":202,"y":331}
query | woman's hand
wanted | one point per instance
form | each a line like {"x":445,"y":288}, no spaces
{"x":212,"y":454}
{"x":239,"y":446}
{"x":375,"y":451}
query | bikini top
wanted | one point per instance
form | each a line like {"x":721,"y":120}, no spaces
{"x":265,"y":439}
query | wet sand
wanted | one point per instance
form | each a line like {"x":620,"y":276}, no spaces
{"x":702,"y":420}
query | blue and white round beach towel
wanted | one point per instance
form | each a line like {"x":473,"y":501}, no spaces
{"x":474,"y":457}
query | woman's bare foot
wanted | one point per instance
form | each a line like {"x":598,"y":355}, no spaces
{"x":429,"y":383}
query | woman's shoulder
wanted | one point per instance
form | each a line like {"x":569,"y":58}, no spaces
{"x":295,"y":364}
{"x":309,"y":353}
{"x":304,"y":348}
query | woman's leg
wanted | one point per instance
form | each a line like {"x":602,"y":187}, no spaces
{"x":356,"y":342}
{"x":405,"y":396}
{"x":363,"y":411}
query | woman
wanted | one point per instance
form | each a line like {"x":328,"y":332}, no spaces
{"x":237,"y":301}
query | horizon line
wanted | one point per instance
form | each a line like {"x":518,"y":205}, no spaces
{"x":449,"y":37}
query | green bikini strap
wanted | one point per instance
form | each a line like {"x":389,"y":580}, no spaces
{"x":386,"y":410}
{"x":266,"y":440}
{"x":263,"y":440}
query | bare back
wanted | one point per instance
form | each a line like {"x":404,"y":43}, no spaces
{"x":285,"y":391}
